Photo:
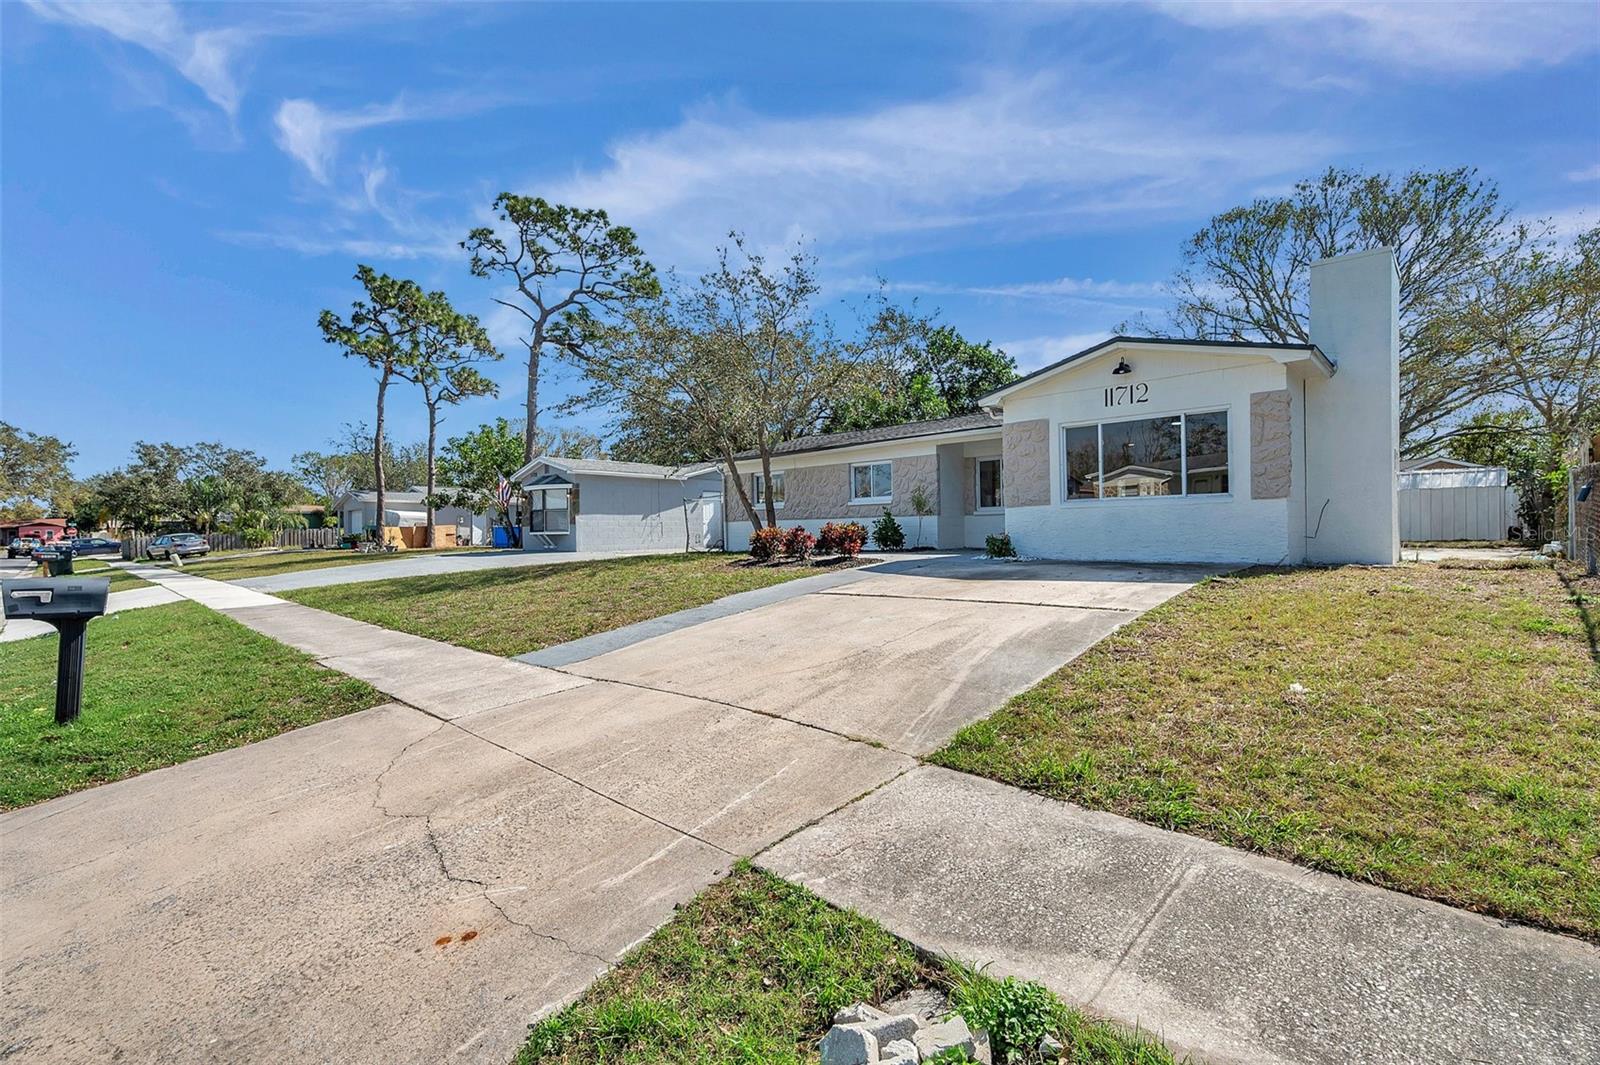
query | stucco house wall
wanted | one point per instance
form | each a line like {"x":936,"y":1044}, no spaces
{"x":638,"y":514}
{"x":1231,"y":527}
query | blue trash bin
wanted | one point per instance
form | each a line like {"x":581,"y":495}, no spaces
{"x":502,"y":538}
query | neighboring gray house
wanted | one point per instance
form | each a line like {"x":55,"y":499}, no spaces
{"x":601,"y":505}
{"x":357,"y":512}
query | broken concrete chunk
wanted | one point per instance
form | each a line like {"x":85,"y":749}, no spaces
{"x":888,"y":1029}
{"x":858,"y":1013}
{"x":849,"y":1044}
{"x":898,"y":1051}
{"x":946,"y":1035}
{"x":1050,"y":1048}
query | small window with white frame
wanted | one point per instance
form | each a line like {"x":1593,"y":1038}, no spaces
{"x":758,"y":485}
{"x":871,"y":482}
{"x":990,"y":492}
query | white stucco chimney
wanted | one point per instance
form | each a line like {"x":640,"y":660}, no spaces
{"x":1353,"y":418}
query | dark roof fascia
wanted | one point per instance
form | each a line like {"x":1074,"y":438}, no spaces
{"x":743,"y":455}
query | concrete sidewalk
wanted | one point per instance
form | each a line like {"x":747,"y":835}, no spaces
{"x":1223,"y":954}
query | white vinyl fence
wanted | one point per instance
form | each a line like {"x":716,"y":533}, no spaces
{"x":1456,"y":504}
{"x":133,"y":545}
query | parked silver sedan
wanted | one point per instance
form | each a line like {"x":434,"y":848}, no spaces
{"x":177,"y":545}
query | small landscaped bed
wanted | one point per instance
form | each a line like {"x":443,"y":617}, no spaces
{"x":1434,"y":729}
{"x":754,"y":969}
{"x":161,"y":685}
{"x":516,"y":610}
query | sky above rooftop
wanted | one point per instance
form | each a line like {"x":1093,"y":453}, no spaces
{"x":185,"y":187}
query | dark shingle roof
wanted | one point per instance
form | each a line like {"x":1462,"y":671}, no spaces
{"x":829,"y":441}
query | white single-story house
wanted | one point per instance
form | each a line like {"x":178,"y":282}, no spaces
{"x":358,"y":513}
{"x":604,"y":505}
{"x":1146,"y":449}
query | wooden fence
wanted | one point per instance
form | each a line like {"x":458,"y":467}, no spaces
{"x":134,"y":546}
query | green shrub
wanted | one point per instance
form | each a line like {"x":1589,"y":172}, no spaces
{"x":999,"y":546}
{"x":766,"y":544}
{"x":887,"y":534}
{"x":1016,"y":1014}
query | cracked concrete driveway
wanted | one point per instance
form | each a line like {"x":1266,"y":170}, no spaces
{"x":416,"y":882}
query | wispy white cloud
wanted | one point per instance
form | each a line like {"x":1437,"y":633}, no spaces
{"x":1588,"y":173}
{"x":1036,"y":351}
{"x":204,"y":57}
{"x":1455,"y":38}
{"x":311,"y":133}
{"x":1008,"y":158}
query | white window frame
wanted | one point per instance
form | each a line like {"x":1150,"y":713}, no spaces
{"x":1185,"y":496}
{"x":758,"y":489}
{"x":977,"y":486}
{"x":858,"y":500}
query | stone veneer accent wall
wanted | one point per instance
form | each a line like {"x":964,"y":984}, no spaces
{"x":969,"y":486}
{"x":822,"y":492}
{"x":1025,"y":456}
{"x":1271,"y":445}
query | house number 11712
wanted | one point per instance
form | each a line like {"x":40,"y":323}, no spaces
{"x":1123,"y":395}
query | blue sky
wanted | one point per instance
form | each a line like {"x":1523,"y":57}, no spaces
{"x":186,"y":187}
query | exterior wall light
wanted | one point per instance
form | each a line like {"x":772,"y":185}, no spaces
{"x":1122,"y":367}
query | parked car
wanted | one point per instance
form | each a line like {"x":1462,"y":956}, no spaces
{"x":95,"y":545}
{"x":177,"y":545}
{"x":22,"y":547}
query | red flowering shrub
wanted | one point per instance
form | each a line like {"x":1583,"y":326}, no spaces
{"x":797,"y":543}
{"x":765,"y":544}
{"x":847,"y":538}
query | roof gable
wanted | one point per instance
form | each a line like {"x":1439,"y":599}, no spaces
{"x":1118,"y":345}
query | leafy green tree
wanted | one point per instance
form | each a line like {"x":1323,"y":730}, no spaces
{"x":330,"y":474}
{"x":1245,"y":275}
{"x":927,"y":371}
{"x":380,"y":332}
{"x":740,"y":353}
{"x":473,"y":464}
{"x":571,"y":268}
{"x":35,"y":473}
{"x":447,"y":347}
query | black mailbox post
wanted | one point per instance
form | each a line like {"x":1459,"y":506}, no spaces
{"x":68,"y":605}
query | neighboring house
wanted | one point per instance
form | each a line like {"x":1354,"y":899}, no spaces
{"x":601,"y":505}
{"x":1146,"y":449}
{"x":41,"y":528}
{"x":358,"y":514}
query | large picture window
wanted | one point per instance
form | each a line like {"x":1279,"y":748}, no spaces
{"x":1182,"y":454}
{"x":870,"y":482}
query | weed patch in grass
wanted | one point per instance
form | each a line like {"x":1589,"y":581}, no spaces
{"x":754,"y":969}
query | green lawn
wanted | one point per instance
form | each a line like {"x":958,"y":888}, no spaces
{"x":753,"y":970}
{"x":161,"y":685}
{"x":121,"y":580}
{"x":513,"y":611}
{"x":237,"y":567}
{"x":1443,"y":739}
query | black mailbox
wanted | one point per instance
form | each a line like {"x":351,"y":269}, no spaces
{"x":68,"y":605}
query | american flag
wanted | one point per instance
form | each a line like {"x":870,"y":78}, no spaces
{"x":502,"y":495}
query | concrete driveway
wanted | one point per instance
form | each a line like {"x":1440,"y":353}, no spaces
{"x":908,"y":654}
{"x":417,"y":882}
